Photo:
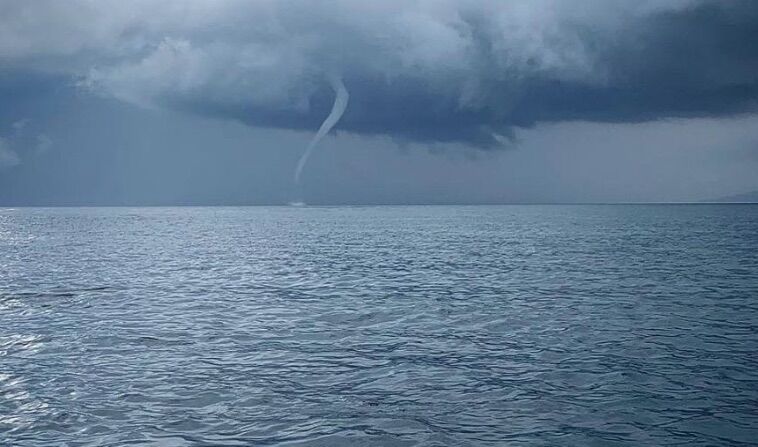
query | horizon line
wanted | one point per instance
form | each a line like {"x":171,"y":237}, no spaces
{"x":316,"y":205}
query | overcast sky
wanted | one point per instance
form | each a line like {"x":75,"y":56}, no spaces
{"x":213,"y":102}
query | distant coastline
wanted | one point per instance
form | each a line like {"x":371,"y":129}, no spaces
{"x":748,"y":197}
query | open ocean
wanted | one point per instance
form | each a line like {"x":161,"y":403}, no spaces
{"x":593,"y":325}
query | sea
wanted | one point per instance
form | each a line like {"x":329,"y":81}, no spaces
{"x":545,"y":325}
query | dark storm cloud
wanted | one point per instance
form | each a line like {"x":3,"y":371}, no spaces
{"x":699,"y":61}
{"x":444,"y":71}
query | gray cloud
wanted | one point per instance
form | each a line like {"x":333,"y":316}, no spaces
{"x":20,"y":141}
{"x":441,"y":71}
{"x":8,"y":157}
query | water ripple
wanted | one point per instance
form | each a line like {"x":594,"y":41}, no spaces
{"x":576,"y":325}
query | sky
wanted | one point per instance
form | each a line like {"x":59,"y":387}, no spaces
{"x":472,"y":101}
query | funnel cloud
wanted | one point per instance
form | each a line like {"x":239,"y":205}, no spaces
{"x":340,"y":103}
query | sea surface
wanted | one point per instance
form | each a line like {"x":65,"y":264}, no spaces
{"x":373,"y":326}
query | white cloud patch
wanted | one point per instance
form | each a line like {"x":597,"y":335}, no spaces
{"x":43,"y":144}
{"x":18,"y":126}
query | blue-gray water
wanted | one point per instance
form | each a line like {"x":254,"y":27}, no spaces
{"x":513,"y":325}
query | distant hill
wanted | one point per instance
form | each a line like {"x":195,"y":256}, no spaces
{"x":748,"y":197}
